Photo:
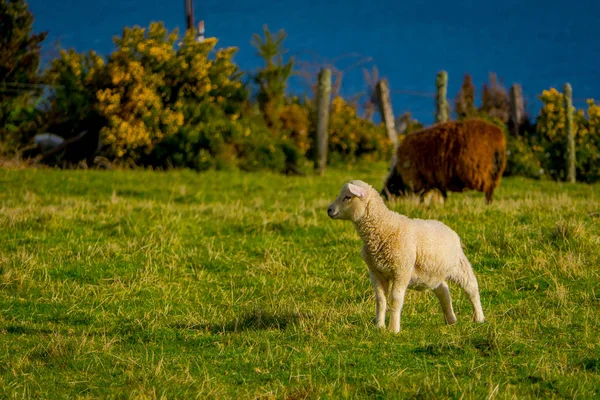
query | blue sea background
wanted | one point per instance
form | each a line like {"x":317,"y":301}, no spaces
{"x":539,"y":44}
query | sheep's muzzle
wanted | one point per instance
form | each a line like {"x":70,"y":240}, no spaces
{"x":332,"y":212}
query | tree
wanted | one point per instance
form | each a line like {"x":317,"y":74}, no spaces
{"x":464,"y":103}
{"x":20,"y":49}
{"x":371,"y":102}
{"x":272,"y":78}
{"x":19,"y":64}
{"x":75,"y":79}
{"x":494,"y":99}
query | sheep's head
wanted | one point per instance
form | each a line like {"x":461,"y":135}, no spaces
{"x":352,"y":201}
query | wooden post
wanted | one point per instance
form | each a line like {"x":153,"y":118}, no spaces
{"x":441,"y":103}
{"x":189,"y":14}
{"x":385,"y":109}
{"x":323,"y":99}
{"x":517,"y":107}
{"x":570,"y":134}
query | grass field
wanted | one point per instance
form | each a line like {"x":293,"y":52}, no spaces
{"x":140,"y":284}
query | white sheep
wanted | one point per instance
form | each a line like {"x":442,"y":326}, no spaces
{"x":406,"y":253}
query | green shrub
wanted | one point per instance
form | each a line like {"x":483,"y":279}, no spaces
{"x":224,"y":144}
{"x":521,"y":159}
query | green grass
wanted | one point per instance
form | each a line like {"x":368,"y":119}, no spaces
{"x":219,"y":285}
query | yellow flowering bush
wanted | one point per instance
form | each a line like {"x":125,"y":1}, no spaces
{"x":151,"y":86}
{"x":593,"y":113}
{"x":351,"y":137}
{"x":139,"y":103}
{"x":295,"y":125}
{"x":138,"y":117}
{"x":552,"y":142}
{"x":589,"y":150}
{"x":551,"y":123}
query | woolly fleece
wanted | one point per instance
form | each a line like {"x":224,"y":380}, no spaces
{"x":403,"y":253}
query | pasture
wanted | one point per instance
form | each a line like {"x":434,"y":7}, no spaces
{"x":142,"y":284}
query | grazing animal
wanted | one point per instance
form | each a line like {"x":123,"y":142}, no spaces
{"x":450,"y":156}
{"x":404,"y":253}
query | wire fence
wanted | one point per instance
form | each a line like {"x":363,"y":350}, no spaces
{"x":25,"y":88}
{"x":432,"y":95}
{"x":419,"y":106}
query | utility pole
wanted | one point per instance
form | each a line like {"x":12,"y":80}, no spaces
{"x":189,"y":14}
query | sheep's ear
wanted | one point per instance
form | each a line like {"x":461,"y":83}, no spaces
{"x":357,"y":190}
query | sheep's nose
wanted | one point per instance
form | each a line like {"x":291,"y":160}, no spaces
{"x":331,"y":212}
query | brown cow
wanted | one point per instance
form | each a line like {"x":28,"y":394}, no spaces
{"x":450,"y":156}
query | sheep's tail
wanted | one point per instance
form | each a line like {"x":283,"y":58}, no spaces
{"x":466,"y":271}
{"x":463,"y":274}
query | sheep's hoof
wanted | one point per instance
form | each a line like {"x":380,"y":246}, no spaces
{"x":478,"y":317}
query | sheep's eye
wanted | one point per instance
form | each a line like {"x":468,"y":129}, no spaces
{"x":347,"y":198}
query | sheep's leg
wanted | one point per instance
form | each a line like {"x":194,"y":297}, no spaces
{"x":468,"y":282}
{"x":489,"y":197}
{"x":472,"y":291}
{"x":397,"y":302}
{"x":489,"y":194}
{"x":380,"y":285}
{"x":423,"y":194}
{"x":443,"y":294}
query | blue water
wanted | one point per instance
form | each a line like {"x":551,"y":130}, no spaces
{"x":537,"y":43}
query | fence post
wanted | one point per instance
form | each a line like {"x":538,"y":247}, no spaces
{"x":570,"y":134}
{"x":323,"y":99}
{"x":441,"y":103}
{"x":385,"y":110}
{"x":517,"y":107}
